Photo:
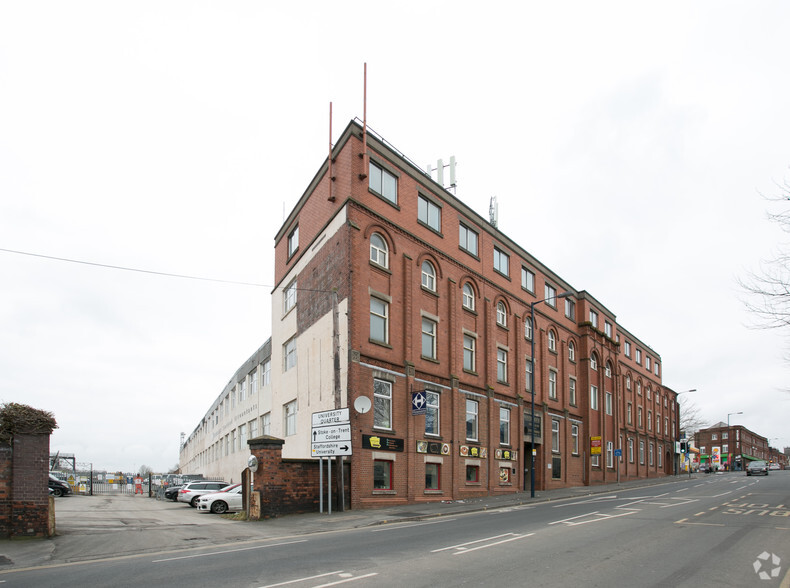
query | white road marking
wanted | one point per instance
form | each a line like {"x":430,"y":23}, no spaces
{"x":396,"y":526}
{"x":227,"y":551}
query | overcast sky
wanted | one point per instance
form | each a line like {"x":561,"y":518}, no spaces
{"x":628,"y":147}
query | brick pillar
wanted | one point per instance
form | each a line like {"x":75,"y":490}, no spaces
{"x":29,"y":488}
{"x":268,"y":479}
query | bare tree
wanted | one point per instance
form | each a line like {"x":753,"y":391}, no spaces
{"x":691,"y":420}
{"x":768,"y":288}
{"x":145,"y":470}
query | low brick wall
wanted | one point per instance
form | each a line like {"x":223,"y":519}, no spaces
{"x":289,"y":486}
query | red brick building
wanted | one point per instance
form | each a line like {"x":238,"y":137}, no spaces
{"x":735,"y":446}
{"x":388,"y":287}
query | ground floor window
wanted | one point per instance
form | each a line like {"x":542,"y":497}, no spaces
{"x":472,"y":473}
{"x":382,"y":474}
{"x":504,"y":475}
{"x":556,"y":468}
{"x":432,"y":476}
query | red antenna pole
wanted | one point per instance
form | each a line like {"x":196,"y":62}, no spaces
{"x":364,"y":173}
{"x":331,"y":177}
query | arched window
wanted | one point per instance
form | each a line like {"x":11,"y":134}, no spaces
{"x":552,"y":340}
{"x":468,"y":297}
{"x":628,"y":382}
{"x":571,"y":351}
{"x":608,"y":369}
{"x":379,"y":253}
{"x":528,"y":328}
{"x":501,"y":314}
{"x":428,"y":276}
{"x":594,"y":361}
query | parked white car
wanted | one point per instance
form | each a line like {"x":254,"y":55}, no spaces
{"x":228,"y":500}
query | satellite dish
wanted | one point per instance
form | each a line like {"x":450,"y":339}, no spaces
{"x":362,"y":404}
{"x":252,"y":463}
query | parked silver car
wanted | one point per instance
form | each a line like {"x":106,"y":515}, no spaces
{"x":190,"y":492}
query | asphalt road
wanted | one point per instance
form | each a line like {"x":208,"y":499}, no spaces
{"x":718,"y":530}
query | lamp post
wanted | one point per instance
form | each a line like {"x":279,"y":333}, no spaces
{"x":729,"y":461}
{"x":532,"y":388}
{"x":688,"y":438}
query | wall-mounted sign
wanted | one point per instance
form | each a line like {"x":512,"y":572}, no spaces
{"x":473,"y":451}
{"x":432,"y":447}
{"x":595,"y":445}
{"x":418,"y":403}
{"x":505,"y":454}
{"x":382,"y":443}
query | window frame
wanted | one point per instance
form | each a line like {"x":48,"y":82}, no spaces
{"x":504,"y":425}
{"x":501,"y":258}
{"x":551,"y":339}
{"x":428,"y":277}
{"x":289,"y":297}
{"x":527,"y":280}
{"x":469,"y":353}
{"x":553,"y":384}
{"x":376,"y":171}
{"x":468,"y":296}
{"x":429,"y":209}
{"x":572,"y":400}
{"x":382,"y":257}
{"x":501,"y":365}
{"x":385,"y":467}
{"x":555,"y":435}
{"x":550,"y":295}
{"x":435,"y":475}
{"x":594,"y":397}
{"x":290,"y":410}
{"x":464,"y":233}
{"x":289,"y":355}
{"x":472,"y":419}
{"x":293,"y":242}
{"x":429,"y":337}
{"x":379,"y":319}
{"x":501,"y":314}
{"x":382,"y":403}
{"x":432,"y":413}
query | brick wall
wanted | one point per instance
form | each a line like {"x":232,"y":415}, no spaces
{"x":289,"y":486}
{"x":24,"y":492}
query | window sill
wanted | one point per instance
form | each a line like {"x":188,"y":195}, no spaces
{"x":433,"y":492}
{"x":380,"y":267}
{"x":431,"y":359}
{"x":385,"y":492}
{"x":380,"y":343}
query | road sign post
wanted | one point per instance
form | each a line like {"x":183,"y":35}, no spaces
{"x":330,"y":437}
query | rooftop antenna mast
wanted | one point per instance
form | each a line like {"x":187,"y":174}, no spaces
{"x":493,"y":212}
{"x":439,"y":169}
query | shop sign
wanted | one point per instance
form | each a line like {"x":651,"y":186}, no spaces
{"x":382,"y":443}
{"x":473,"y":451}
{"x":595,"y":445}
{"x":433,"y":447}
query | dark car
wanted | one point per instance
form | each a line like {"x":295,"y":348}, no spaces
{"x":756,"y":468}
{"x":172,"y":493}
{"x":704,"y":468}
{"x":58,"y":487}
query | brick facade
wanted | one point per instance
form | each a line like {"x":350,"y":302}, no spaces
{"x":596,"y":384}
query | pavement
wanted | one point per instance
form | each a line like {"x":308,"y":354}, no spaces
{"x":113,"y":526}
